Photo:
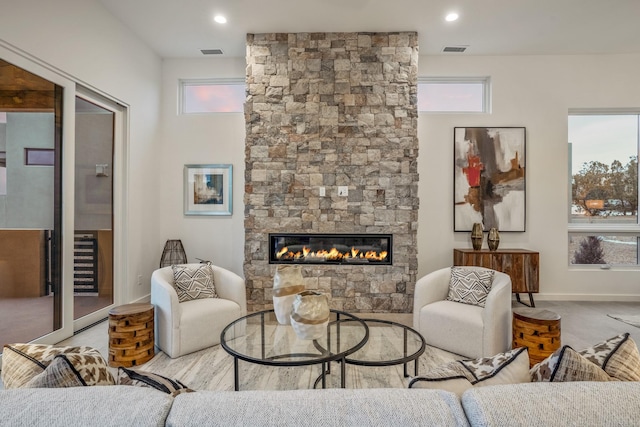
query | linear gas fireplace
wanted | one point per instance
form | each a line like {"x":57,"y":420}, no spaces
{"x":359,"y":249}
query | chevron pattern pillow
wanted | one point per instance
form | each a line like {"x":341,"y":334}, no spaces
{"x":193,"y":283}
{"x":470,"y":286}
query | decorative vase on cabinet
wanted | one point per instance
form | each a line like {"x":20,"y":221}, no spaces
{"x":493,"y":239}
{"x":476,"y":236}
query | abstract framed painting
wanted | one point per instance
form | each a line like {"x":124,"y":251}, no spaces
{"x":208,"y":189}
{"x":489,"y":178}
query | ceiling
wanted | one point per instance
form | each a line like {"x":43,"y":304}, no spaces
{"x":180,"y":29}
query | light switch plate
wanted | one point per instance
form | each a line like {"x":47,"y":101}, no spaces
{"x":343,"y":190}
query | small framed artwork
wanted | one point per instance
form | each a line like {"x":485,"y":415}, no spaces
{"x":208,"y":189}
{"x":489,"y":178}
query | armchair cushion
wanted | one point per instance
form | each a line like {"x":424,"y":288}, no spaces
{"x":193,"y":282}
{"x":470,"y":286}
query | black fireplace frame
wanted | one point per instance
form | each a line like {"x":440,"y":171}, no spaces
{"x":274,"y":245}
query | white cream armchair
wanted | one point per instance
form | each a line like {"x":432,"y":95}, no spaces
{"x":182,"y":328}
{"x":463,"y":329}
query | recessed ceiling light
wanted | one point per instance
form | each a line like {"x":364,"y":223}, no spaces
{"x":220,"y":19}
{"x":451,"y":17}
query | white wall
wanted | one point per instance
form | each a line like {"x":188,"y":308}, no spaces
{"x":535,"y":92}
{"x":531,"y":91}
{"x":83,"y":40}
{"x":29,"y":199}
{"x":201,"y":139}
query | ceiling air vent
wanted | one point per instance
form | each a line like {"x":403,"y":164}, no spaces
{"x":211,"y":51}
{"x":454,"y":48}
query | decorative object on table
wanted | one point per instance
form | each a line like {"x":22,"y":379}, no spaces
{"x":287,"y":283}
{"x":493,"y":239}
{"x":173,"y":254}
{"x":477,"y":236}
{"x":310,"y":315}
{"x":489,"y":177}
{"x":208,"y":189}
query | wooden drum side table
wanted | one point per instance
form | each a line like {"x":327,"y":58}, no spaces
{"x":538,"y":330}
{"x":131,"y":339}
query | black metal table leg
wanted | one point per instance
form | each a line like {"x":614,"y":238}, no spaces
{"x":531,"y":302}
{"x":236,"y":380}
{"x":324,"y":374}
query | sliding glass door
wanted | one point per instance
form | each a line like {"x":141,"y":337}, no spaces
{"x":31,"y":135}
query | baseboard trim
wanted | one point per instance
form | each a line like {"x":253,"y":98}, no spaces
{"x":143,"y":299}
{"x":582,"y":297}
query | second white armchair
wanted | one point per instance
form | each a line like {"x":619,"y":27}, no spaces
{"x":465,"y":329}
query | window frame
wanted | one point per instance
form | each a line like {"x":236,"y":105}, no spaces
{"x":601,"y":229}
{"x":183,"y":83}
{"x":485,"y":81}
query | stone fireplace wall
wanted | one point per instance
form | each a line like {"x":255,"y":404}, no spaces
{"x":329,"y":110}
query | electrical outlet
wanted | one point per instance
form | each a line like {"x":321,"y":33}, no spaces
{"x":322,"y":192}
{"x":343,"y":190}
{"x":139,"y":279}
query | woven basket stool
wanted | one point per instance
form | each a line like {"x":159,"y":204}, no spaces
{"x":131,"y":340}
{"x":538,"y":330}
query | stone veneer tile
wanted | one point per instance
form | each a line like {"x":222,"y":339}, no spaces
{"x":331,"y":109}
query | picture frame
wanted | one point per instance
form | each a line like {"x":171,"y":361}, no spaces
{"x":208,"y":189}
{"x":489,"y":180}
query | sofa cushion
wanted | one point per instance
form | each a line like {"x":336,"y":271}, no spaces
{"x":578,"y":404}
{"x":84,"y":406}
{"x":566,"y":364}
{"x":148,"y":379}
{"x":193,"y":282}
{"x":618,"y":356}
{"x":511,"y":367}
{"x":469,"y":286}
{"x":324,"y":407}
{"x":22,"y":362}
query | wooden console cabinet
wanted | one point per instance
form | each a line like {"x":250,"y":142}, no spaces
{"x":521,"y":265}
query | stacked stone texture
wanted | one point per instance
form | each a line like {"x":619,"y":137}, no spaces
{"x":329,"y":110}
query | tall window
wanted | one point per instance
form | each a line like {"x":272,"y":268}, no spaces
{"x":603,"y":155}
{"x":454,"y":95}
{"x":212,"y":96}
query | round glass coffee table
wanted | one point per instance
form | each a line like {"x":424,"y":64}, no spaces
{"x":266,"y":342}
{"x":389,"y":343}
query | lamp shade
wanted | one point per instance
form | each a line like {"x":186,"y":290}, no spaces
{"x":173,"y":254}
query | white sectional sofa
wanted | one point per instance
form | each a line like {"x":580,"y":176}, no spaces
{"x":582,"y":404}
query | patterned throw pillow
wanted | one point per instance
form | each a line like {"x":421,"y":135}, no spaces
{"x":566,"y":364}
{"x":511,"y":367}
{"x":618,"y":356}
{"x":193,"y":283}
{"x":148,"y":379}
{"x":59,"y":373}
{"x":22,"y":362}
{"x":470,"y":286}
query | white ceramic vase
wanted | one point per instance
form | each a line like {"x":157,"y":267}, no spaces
{"x":287,"y":282}
{"x":310,"y":315}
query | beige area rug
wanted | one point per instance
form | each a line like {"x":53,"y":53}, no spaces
{"x":212,"y":369}
{"x":630,"y":319}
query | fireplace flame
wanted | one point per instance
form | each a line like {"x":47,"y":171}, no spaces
{"x":330,"y":255}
